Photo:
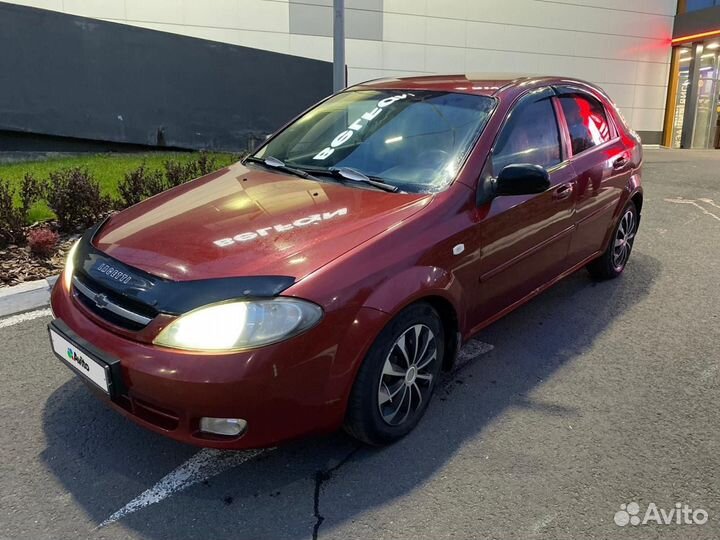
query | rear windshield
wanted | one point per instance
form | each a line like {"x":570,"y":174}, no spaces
{"x":415,"y":140}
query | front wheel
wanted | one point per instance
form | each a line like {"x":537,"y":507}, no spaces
{"x":612,"y":262}
{"x":397,"y":378}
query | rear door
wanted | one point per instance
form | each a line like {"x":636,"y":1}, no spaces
{"x":525,"y":238}
{"x":602,"y":166}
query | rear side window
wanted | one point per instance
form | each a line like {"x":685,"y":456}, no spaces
{"x":586,"y":120}
{"x":530,"y":136}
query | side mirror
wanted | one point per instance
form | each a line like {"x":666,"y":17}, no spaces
{"x":516,"y":179}
{"x":522,"y":179}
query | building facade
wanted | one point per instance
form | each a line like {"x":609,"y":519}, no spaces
{"x":222,"y":73}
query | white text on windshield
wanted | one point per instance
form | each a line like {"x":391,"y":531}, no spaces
{"x":357,"y":125}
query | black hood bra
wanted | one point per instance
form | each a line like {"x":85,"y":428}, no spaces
{"x":163,"y":295}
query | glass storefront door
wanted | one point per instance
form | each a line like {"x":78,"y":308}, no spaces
{"x":683,"y":80}
{"x":703,"y":134}
{"x":705,"y":118}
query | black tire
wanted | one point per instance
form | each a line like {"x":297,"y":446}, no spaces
{"x":366,"y":418}
{"x":610,"y":265}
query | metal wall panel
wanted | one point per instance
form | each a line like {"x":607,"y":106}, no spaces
{"x":71,"y":76}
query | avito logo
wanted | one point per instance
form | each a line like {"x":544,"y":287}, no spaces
{"x":79,"y":360}
{"x":682,"y":514}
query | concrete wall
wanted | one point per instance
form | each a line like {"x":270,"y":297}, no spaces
{"x":622,"y":45}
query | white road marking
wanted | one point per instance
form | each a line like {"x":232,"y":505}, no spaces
{"x":202,"y":466}
{"x":23,"y":317}
{"x":695,"y":204}
{"x":208,"y":462}
{"x":710,"y":202}
{"x":471,"y":350}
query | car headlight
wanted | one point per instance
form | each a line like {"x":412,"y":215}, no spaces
{"x":70,"y":266}
{"x":239,"y":324}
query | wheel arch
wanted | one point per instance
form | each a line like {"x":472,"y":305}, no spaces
{"x":637,"y":199}
{"x":451,"y":329}
{"x":432,"y":285}
{"x":634,"y":193}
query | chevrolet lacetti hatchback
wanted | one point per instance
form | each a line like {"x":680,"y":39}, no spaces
{"x":328,"y":278}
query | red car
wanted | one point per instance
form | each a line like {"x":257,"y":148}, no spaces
{"x":327,"y":279}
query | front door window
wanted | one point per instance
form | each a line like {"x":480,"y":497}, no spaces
{"x":530,"y":136}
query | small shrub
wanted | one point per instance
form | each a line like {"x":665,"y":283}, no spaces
{"x":140,"y":184}
{"x":31,"y":191}
{"x":176,"y":173}
{"x":12,"y":219}
{"x":205,"y":164}
{"x":74,"y":195}
{"x":42,"y":241}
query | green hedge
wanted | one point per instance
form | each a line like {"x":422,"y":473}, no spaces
{"x":108,"y":169}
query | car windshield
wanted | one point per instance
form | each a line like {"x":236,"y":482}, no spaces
{"x":415,"y":140}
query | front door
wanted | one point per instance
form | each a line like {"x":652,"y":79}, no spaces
{"x":525,"y":238}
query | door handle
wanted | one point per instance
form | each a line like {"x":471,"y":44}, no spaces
{"x":620,"y":162}
{"x":562,"y":192}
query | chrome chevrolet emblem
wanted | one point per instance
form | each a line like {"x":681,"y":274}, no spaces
{"x":100,"y":301}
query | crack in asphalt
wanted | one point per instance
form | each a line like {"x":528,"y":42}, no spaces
{"x":321,"y":477}
{"x":467,"y":355}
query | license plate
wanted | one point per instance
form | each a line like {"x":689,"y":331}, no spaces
{"x":80,"y":361}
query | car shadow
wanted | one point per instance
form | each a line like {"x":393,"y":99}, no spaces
{"x":105,"y":461}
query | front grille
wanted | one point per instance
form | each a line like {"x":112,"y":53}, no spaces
{"x":117,"y":309}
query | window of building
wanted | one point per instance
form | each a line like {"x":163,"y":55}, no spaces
{"x":587,"y":121}
{"x":530,"y":136}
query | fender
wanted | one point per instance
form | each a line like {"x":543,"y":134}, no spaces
{"x":415,"y":284}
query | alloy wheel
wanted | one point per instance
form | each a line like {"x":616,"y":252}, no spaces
{"x":624,"y":238}
{"x":407,"y":376}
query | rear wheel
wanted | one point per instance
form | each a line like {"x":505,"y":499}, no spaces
{"x":397,"y":378}
{"x":612,"y":262}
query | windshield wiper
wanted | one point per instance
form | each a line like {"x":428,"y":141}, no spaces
{"x":347,"y":173}
{"x":274,"y":163}
{"x":354,"y":175}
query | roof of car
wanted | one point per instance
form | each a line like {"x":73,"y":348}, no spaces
{"x":486,"y":84}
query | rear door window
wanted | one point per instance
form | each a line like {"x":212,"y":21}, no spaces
{"x":586,"y":120}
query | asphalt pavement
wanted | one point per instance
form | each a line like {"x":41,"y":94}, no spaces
{"x":592,"y":396}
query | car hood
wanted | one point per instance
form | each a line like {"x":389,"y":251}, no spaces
{"x":245,"y":221}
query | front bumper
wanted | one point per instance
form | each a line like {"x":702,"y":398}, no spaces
{"x":287,"y":390}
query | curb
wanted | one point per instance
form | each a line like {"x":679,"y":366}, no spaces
{"x":26,"y":296}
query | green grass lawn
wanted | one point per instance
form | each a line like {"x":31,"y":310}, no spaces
{"x":108,"y":169}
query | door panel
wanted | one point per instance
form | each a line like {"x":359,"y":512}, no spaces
{"x":524,"y":239}
{"x":602,"y":168}
{"x":601,"y":179}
